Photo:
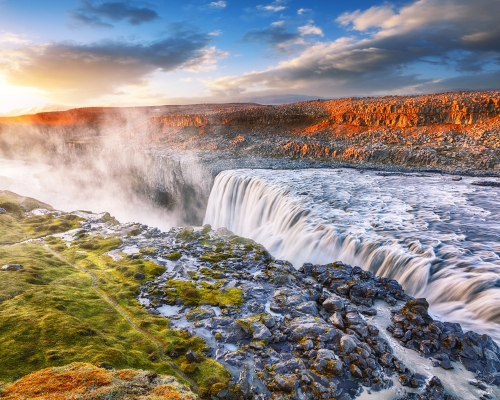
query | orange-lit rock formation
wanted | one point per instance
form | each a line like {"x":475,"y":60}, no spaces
{"x":449,"y":130}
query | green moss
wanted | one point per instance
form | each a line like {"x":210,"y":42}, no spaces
{"x":190,"y":294}
{"x":186,"y":234}
{"x":172,"y":256}
{"x":98,"y":244}
{"x":193,"y":275}
{"x":109,"y":219}
{"x":211,"y":273}
{"x":215,"y":257}
{"x":206,"y":229}
{"x":134,"y":232}
{"x":16,"y":228}
{"x":211,"y":377}
{"x":149,"y":251}
{"x":51,"y":316}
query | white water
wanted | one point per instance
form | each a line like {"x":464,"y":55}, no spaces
{"x":439,"y":238}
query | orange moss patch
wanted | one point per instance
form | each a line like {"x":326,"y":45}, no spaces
{"x":88,"y":382}
{"x":168,"y":392}
{"x":126,"y":374}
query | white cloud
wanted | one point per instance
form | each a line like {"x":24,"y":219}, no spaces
{"x":215,"y":33}
{"x":206,"y":60}
{"x":71,"y":72}
{"x":278,"y":23}
{"x":362,"y":20}
{"x":457,"y":37}
{"x":275,"y":6}
{"x":218,"y":4}
{"x":310,"y":29}
{"x":11,"y":38}
{"x":301,"y":11}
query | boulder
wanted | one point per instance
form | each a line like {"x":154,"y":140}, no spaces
{"x":11,"y":267}
{"x":333,"y":303}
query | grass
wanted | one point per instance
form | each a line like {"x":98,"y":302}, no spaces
{"x":50,"y":315}
{"x":17,"y":226}
{"x":118,"y":280}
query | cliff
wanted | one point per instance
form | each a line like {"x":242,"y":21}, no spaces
{"x":448,"y":131}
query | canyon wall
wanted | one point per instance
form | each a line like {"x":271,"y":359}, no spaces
{"x":168,"y":156}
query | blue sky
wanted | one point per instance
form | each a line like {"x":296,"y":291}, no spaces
{"x":56,"y":54}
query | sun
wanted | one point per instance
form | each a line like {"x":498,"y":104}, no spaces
{"x":15,"y":99}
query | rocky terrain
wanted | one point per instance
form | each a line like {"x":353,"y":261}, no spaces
{"x":86,"y":381}
{"x":323,"y":331}
{"x":448,"y":131}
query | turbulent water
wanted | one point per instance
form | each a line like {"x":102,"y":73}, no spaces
{"x":438,"y":237}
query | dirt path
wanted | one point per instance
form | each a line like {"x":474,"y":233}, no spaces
{"x":123,"y":313}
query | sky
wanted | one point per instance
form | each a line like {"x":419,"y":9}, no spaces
{"x":77,"y":53}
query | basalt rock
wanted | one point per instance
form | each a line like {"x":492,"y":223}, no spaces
{"x":302,"y":334}
{"x":447,"y":131}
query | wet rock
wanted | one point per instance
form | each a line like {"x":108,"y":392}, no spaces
{"x":309,"y":307}
{"x":336,"y":320}
{"x":434,"y":390}
{"x":313,"y":328}
{"x":193,"y":357}
{"x":333,"y":303}
{"x":260,"y":331}
{"x":322,"y":341}
{"x":348,"y":343}
{"x":327,"y":361}
{"x":355,"y":371}
{"x":11,"y":267}
{"x":199,"y":313}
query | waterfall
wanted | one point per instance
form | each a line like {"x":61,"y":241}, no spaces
{"x":425,"y":232}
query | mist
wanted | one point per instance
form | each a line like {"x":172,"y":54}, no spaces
{"x":104,"y":160}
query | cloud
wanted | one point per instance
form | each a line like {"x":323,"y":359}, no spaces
{"x":218,"y":4}
{"x":275,"y":35}
{"x":362,"y":20}
{"x":76,"y":72}
{"x":310,"y":29}
{"x":11,"y":38}
{"x":301,"y":11}
{"x":275,"y":6}
{"x":449,"y":38}
{"x":99,"y":15}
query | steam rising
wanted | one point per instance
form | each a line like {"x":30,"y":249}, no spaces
{"x":104,"y":161}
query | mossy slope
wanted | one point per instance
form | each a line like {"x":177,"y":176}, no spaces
{"x":16,"y":225}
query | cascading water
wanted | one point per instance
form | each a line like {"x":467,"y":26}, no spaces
{"x":438,"y":237}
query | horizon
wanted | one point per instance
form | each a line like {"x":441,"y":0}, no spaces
{"x":242,"y":102}
{"x":56,"y":56}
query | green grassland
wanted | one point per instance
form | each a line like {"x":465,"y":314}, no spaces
{"x":16,"y":226}
{"x":50,"y":314}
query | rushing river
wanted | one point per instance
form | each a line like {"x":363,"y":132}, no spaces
{"x":438,"y":237}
